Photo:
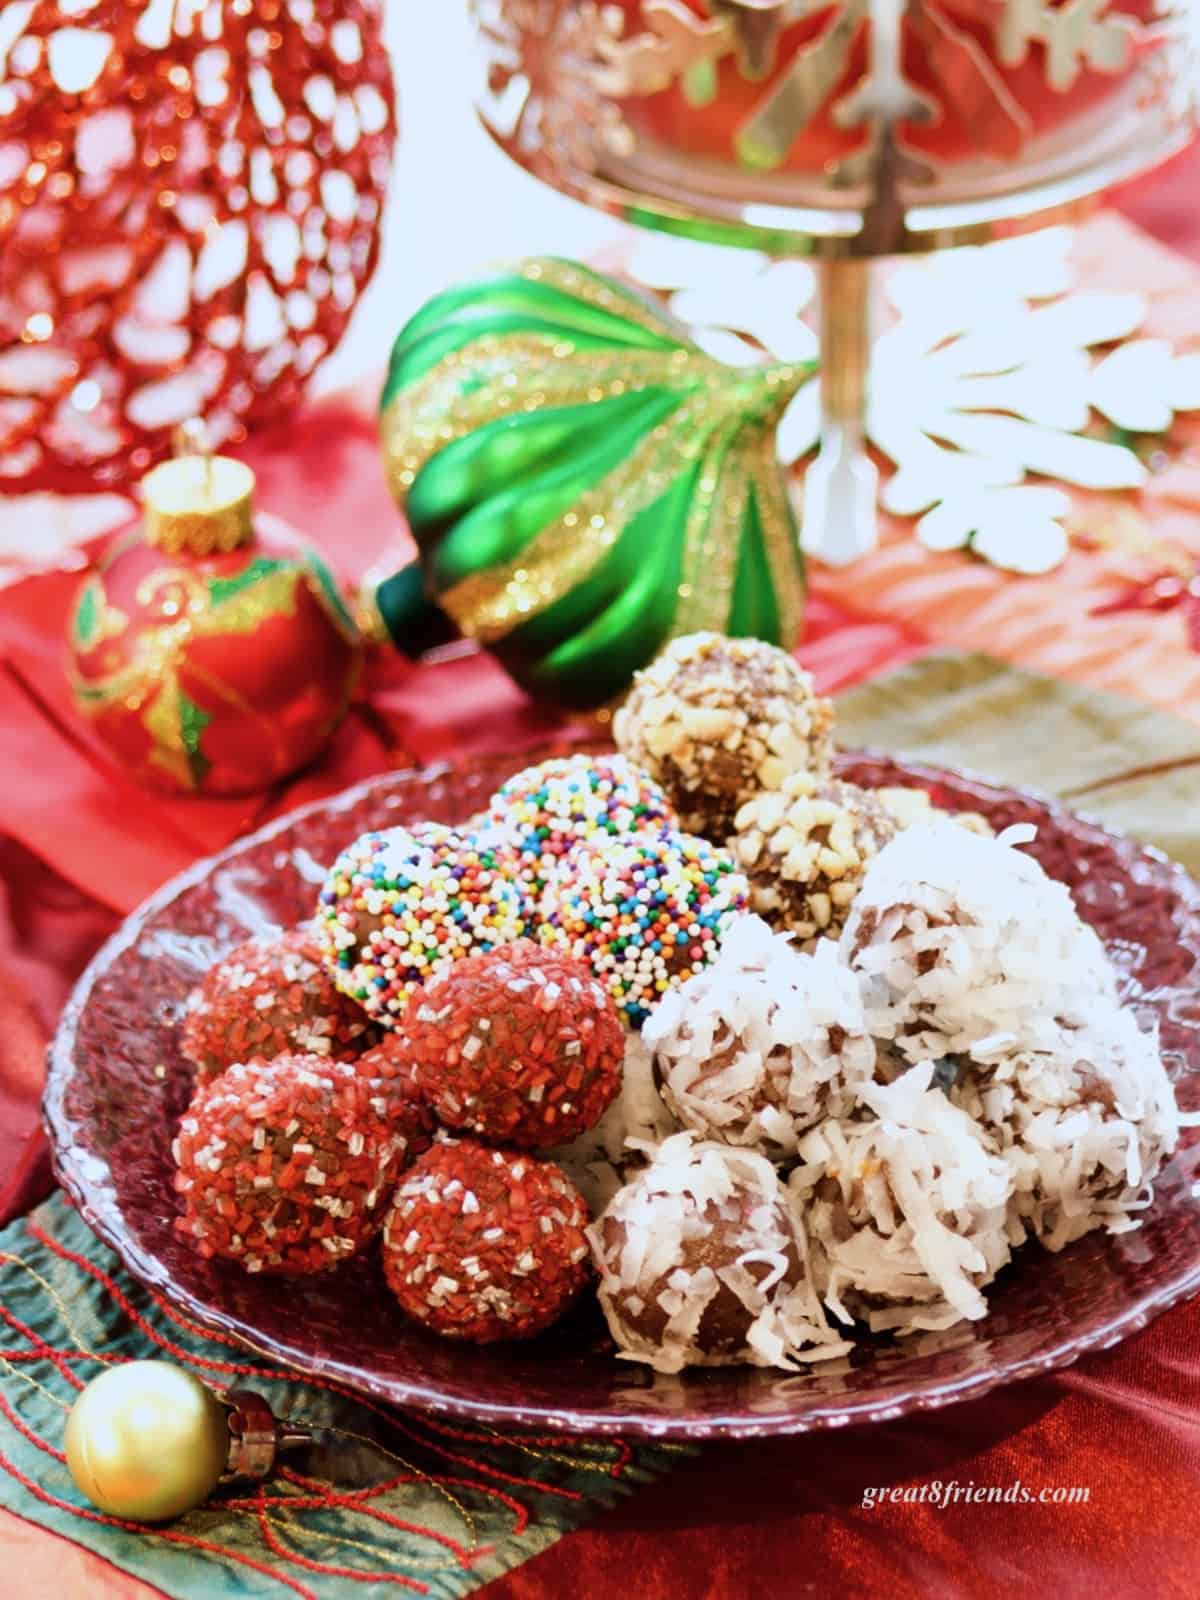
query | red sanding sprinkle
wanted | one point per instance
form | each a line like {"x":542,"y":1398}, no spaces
{"x":284,"y":1165}
{"x":520,"y":1045}
{"x":485,"y":1244}
{"x":271,"y":997}
{"x":391,"y":1077}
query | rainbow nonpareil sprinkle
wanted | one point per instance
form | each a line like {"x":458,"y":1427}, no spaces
{"x":548,"y":810}
{"x":402,"y":905}
{"x":645,"y":914}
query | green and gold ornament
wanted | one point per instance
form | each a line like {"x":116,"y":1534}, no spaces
{"x":583,"y":482}
{"x":209,"y":649}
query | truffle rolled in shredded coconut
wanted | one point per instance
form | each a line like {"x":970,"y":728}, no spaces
{"x":805,"y":847}
{"x":717,"y":720}
{"x":762,"y":1044}
{"x":960,"y":942}
{"x":1084,"y":1127}
{"x":905,"y":1209}
{"x":608,"y":1155}
{"x":701,"y":1264}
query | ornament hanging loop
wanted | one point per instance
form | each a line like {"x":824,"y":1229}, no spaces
{"x":256,"y":1437}
{"x":191,"y":437}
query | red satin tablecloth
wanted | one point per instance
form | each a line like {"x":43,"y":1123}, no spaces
{"x":80,"y":846}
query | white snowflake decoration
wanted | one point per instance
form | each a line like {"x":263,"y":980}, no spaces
{"x":987,"y":374}
{"x":736,"y":303}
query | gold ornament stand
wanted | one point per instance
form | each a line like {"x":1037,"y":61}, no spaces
{"x":564,"y":79}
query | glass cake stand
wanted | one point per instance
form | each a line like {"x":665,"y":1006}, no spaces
{"x":842,"y":131}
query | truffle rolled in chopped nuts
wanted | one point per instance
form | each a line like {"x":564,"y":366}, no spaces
{"x":718,"y":720}
{"x":805,"y":847}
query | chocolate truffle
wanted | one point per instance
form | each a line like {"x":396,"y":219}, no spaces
{"x":805,"y":847}
{"x":403,"y":904}
{"x":905,"y":1206}
{"x":270,"y":997}
{"x":718,"y":720}
{"x":643,"y":914}
{"x":484,"y":1244}
{"x":762,"y":1044}
{"x":546,"y":811}
{"x":520,"y":1045}
{"x":284,"y":1165}
{"x":701,"y":1264}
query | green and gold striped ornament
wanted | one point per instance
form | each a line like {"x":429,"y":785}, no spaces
{"x":583,"y":482}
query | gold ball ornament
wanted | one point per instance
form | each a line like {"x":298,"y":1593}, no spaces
{"x":147,"y":1441}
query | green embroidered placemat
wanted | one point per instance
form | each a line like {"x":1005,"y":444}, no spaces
{"x":382,"y":1499}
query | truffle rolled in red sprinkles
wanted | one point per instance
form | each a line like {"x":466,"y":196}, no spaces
{"x":485,"y":1244}
{"x":271,"y":997}
{"x":284,"y":1166}
{"x":391,"y":1078}
{"x":520,"y":1045}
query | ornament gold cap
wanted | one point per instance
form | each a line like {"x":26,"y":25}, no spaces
{"x":198,"y":505}
{"x":256,"y":1436}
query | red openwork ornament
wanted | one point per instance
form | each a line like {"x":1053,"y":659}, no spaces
{"x":190,"y":198}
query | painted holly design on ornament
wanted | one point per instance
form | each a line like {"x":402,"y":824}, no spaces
{"x":221,"y":679}
{"x":209,"y":649}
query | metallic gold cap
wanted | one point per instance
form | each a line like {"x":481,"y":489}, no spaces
{"x":198,"y":504}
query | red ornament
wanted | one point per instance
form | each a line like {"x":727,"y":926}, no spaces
{"x":209,"y":668}
{"x":190,"y":199}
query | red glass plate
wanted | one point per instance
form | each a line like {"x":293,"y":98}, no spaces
{"x":117,"y":1085}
